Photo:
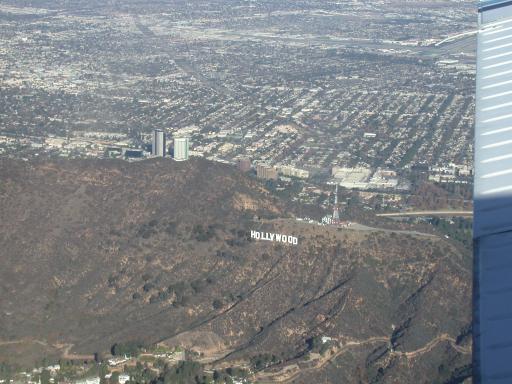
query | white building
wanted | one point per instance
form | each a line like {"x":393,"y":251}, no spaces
{"x":53,"y":368}
{"x":286,"y":170}
{"x":181,"y":146}
{"x":90,"y":380}
{"x":115,"y":361}
{"x":351,"y":178}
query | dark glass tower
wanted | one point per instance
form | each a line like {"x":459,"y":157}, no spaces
{"x":492,"y":317}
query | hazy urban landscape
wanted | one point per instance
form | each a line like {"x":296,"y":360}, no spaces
{"x":376,"y":97}
{"x":308,"y":85}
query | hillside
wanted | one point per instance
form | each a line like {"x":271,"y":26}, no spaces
{"x":99,"y":252}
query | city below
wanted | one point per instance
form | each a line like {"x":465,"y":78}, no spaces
{"x":232,"y":192}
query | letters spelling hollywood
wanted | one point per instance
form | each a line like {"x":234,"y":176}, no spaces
{"x":274,"y":237}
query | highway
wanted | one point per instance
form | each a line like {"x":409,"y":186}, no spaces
{"x":427,"y":213}
{"x":455,"y":37}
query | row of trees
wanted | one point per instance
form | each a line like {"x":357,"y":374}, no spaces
{"x":189,"y":372}
{"x":130,"y":348}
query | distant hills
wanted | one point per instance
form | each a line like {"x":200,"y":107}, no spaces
{"x":95,"y":253}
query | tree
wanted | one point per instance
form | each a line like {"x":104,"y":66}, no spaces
{"x":102,"y":372}
{"x":98,"y":357}
{"x":131,"y":348}
{"x":5,"y":373}
{"x":45,"y":377}
{"x":114,"y":379}
{"x":314,"y":343}
{"x":217,"y":304}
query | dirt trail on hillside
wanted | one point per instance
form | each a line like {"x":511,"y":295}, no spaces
{"x":292,"y":371}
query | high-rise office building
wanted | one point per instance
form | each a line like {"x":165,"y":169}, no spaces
{"x":158,"y":145}
{"x":181,"y":145}
{"x":492,"y":291}
{"x":244,"y":164}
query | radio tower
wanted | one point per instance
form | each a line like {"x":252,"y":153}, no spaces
{"x":336,"y":212}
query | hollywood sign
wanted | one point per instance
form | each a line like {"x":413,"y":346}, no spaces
{"x":275,"y":237}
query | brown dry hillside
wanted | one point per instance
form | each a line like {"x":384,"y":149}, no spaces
{"x":99,"y":252}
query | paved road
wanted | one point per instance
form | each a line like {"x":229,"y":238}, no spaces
{"x":357,"y":227}
{"x":361,"y":227}
{"x":427,"y":213}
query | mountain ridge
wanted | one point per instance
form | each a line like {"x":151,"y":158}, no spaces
{"x":99,"y":252}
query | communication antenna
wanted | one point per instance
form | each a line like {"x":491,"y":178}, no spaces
{"x":336,"y":212}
